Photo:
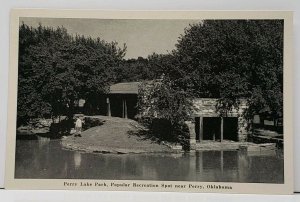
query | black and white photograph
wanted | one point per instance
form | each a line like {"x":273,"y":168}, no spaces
{"x":149,"y":100}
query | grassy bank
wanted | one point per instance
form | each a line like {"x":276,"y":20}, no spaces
{"x":116,"y":135}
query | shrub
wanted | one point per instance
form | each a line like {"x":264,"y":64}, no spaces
{"x":163,"y":110}
{"x":91,"y":122}
{"x":61,"y":128}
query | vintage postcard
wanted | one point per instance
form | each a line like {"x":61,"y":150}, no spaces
{"x":181,"y":101}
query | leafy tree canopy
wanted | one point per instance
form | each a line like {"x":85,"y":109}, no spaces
{"x":227,"y":59}
{"x":56,"y":69}
{"x":232,"y":59}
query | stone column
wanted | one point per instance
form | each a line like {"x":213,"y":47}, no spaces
{"x":201,"y":129}
{"x":191,"y":126}
{"x":243,"y":129}
{"x":125,"y":108}
{"x":222,"y":129}
{"x":108,"y":106}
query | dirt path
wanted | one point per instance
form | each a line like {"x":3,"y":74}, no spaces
{"x":113,"y":137}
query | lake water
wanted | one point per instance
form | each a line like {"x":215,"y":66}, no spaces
{"x":46,"y":159}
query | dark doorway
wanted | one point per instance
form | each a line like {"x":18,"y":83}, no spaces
{"x":230,"y":128}
{"x":116,"y":105}
{"x":211,"y":128}
{"x":131,"y":101}
{"x":197,"y":128}
{"x":118,"y":102}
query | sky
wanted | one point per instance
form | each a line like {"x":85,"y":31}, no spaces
{"x":142,"y":37}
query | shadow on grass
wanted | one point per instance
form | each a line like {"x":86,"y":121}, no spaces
{"x":92,"y":122}
{"x":144,"y":135}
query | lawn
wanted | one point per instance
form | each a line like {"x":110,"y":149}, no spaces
{"x":114,"y":136}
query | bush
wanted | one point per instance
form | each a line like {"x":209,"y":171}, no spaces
{"x":61,"y":128}
{"x":163,"y":110}
{"x":163,"y":130}
{"x":182,"y":133}
{"x":91,"y":122}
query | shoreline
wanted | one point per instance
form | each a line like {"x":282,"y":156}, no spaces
{"x":116,"y":135}
{"x":109,"y":150}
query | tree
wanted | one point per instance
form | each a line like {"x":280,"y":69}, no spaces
{"x":56,"y":69}
{"x":164,"y":110}
{"x":230,"y":60}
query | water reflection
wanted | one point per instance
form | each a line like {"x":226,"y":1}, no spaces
{"x":45,"y":159}
{"x":43,"y":141}
{"x":77,"y":160}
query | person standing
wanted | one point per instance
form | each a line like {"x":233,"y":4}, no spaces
{"x":78,"y":126}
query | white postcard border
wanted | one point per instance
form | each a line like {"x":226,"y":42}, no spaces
{"x":258,"y":188}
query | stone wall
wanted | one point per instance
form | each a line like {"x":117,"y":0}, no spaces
{"x":208,"y":107}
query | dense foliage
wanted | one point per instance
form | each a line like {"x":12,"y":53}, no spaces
{"x":164,"y":109}
{"x":56,"y":69}
{"x":226,"y":59}
{"x":233,"y":59}
{"x":142,"y":69}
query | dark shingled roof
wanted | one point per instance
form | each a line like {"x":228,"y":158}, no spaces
{"x":125,"y":88}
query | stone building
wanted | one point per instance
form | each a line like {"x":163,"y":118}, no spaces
{"x":209,"y":124}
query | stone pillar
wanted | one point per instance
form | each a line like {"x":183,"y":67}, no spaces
{"x":201,"y":129}
{"x":222,"y":129}
{"x":242,"y":129}
{"x":191,"y":126}
{"x":108,"y":106}
{"x":125,"y":109}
